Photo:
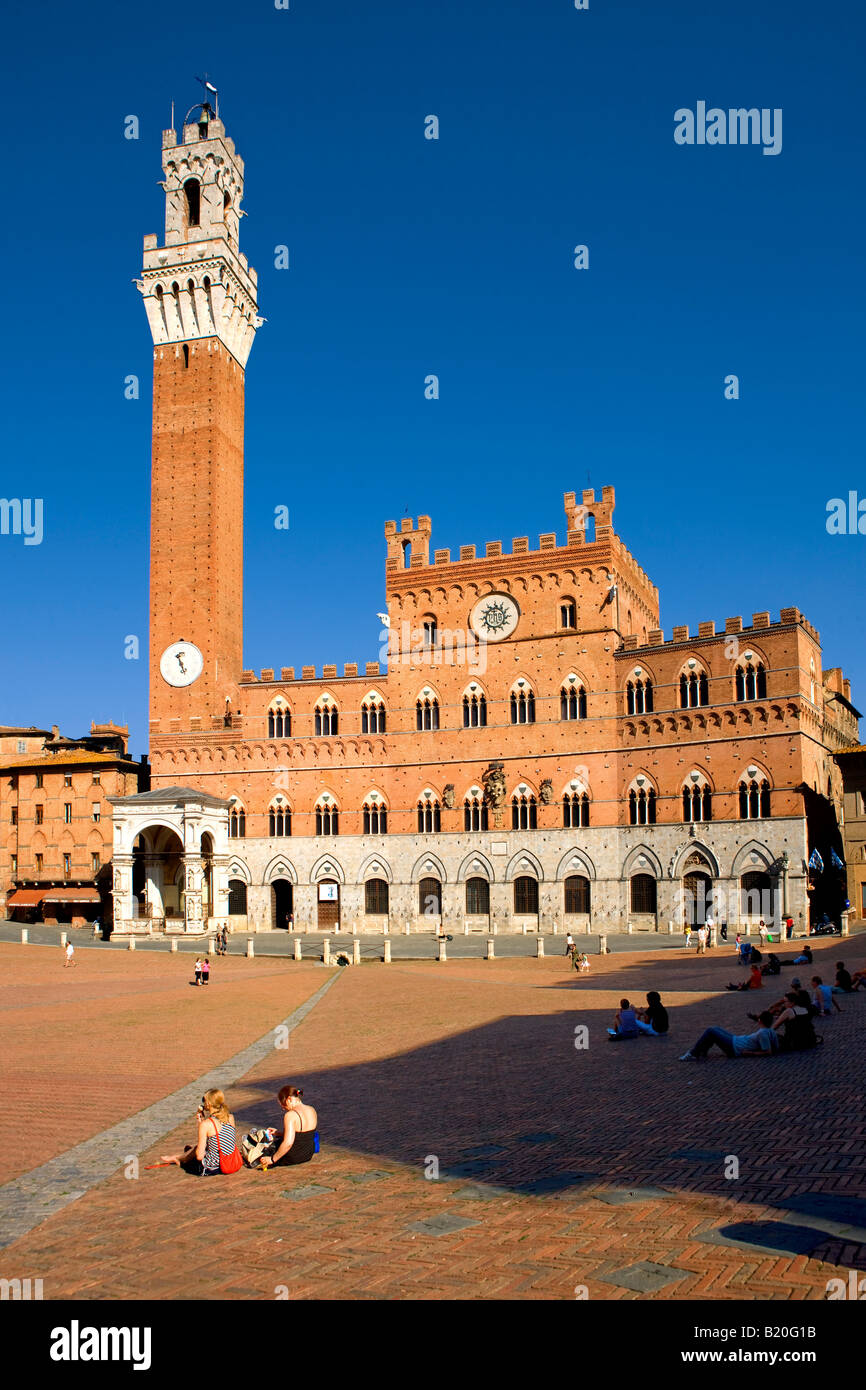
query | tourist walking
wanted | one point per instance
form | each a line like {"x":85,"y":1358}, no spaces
{"x":205,"y":970}
{"x":216,"y":1150}
{"x":69,"y":956}
{"x":569,"y":945}
{"x":703,"y":933}
{"x":197,"y":969}
{"x":723,"y":929}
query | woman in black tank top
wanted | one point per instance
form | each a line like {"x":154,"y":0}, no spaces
{"x":298,"y":1142}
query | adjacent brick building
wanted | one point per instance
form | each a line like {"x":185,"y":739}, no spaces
{"x":56,"y":823}
{"x":533,"y":750}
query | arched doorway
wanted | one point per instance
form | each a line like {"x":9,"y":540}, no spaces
{"x":697,"y":897}
{"x":328,"y":903}
{"x":429,"y":898}
{"x":756,"y":895}
{"x":237,"y":897}
{"x":158,"y":875}
{"x":282,"y":903}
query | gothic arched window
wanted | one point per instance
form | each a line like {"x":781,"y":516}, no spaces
{"x":326,"y":718}
{"x":751,"y":681}
{"x":477,"y":897}
{"x":577,"y":894}
{"x":372,"y":716}
{"x":279,"y":722}
{"x":376,"y":897}
{"x":279,"y":819}
{"x":526,"y":895}
{"x":639,"y":696}
{"x":754,"y":799}
{"x":474,"y":711}
{"x":642,"y":807}
{"x":327,"y":818}
{"x":572,"y":702}
{"x":522,"y":706}
{"x":524,"y":812}
{"x":237,"y":823}
{"x":429,"y":816}
{"x":427,"y":712}
{"x":474,"y":813}
{"x":575,"y":809}
{"x":375,"y":818}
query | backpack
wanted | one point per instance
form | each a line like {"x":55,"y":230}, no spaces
{"x":800,"y":1034}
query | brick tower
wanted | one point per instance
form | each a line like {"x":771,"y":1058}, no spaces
{"x":200,"y":297}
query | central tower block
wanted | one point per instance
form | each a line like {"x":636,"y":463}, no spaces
{"x":200,"y":296}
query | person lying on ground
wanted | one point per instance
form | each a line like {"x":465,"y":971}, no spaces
{"x":823,"y":997}
{"x":216,"y":1140}
{"x":654,"y":1018}
{"x":763,"y":1043}
{"x":805,"y":957}
{"x":754,"y":981}
{"x":300,"y":1134}
{"x":624,"y":1022}
{"x":772,"y":965}
{"x":782,"y":1004}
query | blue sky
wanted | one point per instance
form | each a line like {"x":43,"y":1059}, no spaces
{"x":454,"y":257}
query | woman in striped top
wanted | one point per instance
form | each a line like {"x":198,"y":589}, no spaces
{"x":216,"y":1134}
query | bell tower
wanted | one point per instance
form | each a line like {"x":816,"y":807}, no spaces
{"x":200,"y":296}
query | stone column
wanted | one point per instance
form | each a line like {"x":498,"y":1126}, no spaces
{"x":193,"y":869}
{"x":220,"y":904}
{"x":121,"y":892}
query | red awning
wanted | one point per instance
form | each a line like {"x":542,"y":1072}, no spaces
{"x":71,"y":895}
{"x":26,"y":897}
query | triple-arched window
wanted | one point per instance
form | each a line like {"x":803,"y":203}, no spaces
{"x":694,"y":689}
{"x":474,"y":710}
{"x":373,"y":715}
{"x":754,"y":799}
{"x":279,"y":818}
{"x":751,"y":681}
{"x":427,"y":712}
{"x":524,"y":811}
{"x":522,"y":704}
{"x":429,"y":815}
{"x":375,"y":817}
{"x":639,"y":695}
{"x":642,"y":806}
{"x":327,"y":817}
{"x":279,"y":721}
{"x":697,"y":802}
{"x":575,"y":809}
{"x":572,"y":700}
{"x":474,"y":813}
{"x":326,"y":717}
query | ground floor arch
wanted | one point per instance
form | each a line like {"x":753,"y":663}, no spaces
{"x":282,"y":904}
{"x":328,"y":904}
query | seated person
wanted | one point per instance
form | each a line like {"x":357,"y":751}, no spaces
{"x":782,"y":1004}
{"x":763,"y":1043}
{"x":624,"y":1022}
{"x":654,"y":1018}
{"x":795,"y":1024}
{"x":755,"y":956}
{"x":754,"y":981}
{"x":844,"y":984}
{"x":772,"y":965}
{"x":805,"y":957}
{"x":858,"y":979}
{"x":300,"y":1133}
{"x":216,"y":1138}
{"x":823,"y":998}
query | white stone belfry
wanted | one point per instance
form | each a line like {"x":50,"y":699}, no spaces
{"x":175,"y":843}
{"x":199,"y":285}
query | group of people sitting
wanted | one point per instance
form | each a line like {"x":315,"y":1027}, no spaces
{"x":216,"y":1149}
{"x":785,"y":1026}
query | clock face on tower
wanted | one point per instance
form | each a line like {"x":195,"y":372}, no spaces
{"x":494,"y":617}
{"x":181,"y":664}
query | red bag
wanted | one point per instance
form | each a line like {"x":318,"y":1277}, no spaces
{"x":229,"y":1163}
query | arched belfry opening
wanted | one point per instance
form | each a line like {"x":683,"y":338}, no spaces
{"x":192,"y":200}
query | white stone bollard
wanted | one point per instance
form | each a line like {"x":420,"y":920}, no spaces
{"x":356,"y":952}
{"x":130,"y":945}
{"x":490,"y":950}
{"x":354,"y":928}
{"x":465,"y":927}
{"x":173,"y":944}
{"x":297,"y":948}
{"x":387,"y":953}
{"x":555,"y":928}
{"x":211,"y":946}
{"x":539,"y":948}
{"x":251,"y":948}
{"x":443,"y":955}
{"x":25,"y":936}
{"x":630,"y":929}
{"x":602,"y":945}
{"x":845,"y":927}
{"x":326,"y":951}
{"x":713,"y":939}
{"x":405,"y":928}
{"x":64,"y":937}
{"x":387,"y":928}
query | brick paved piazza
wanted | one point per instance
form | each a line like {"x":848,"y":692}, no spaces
{"x":559,"y":1167}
